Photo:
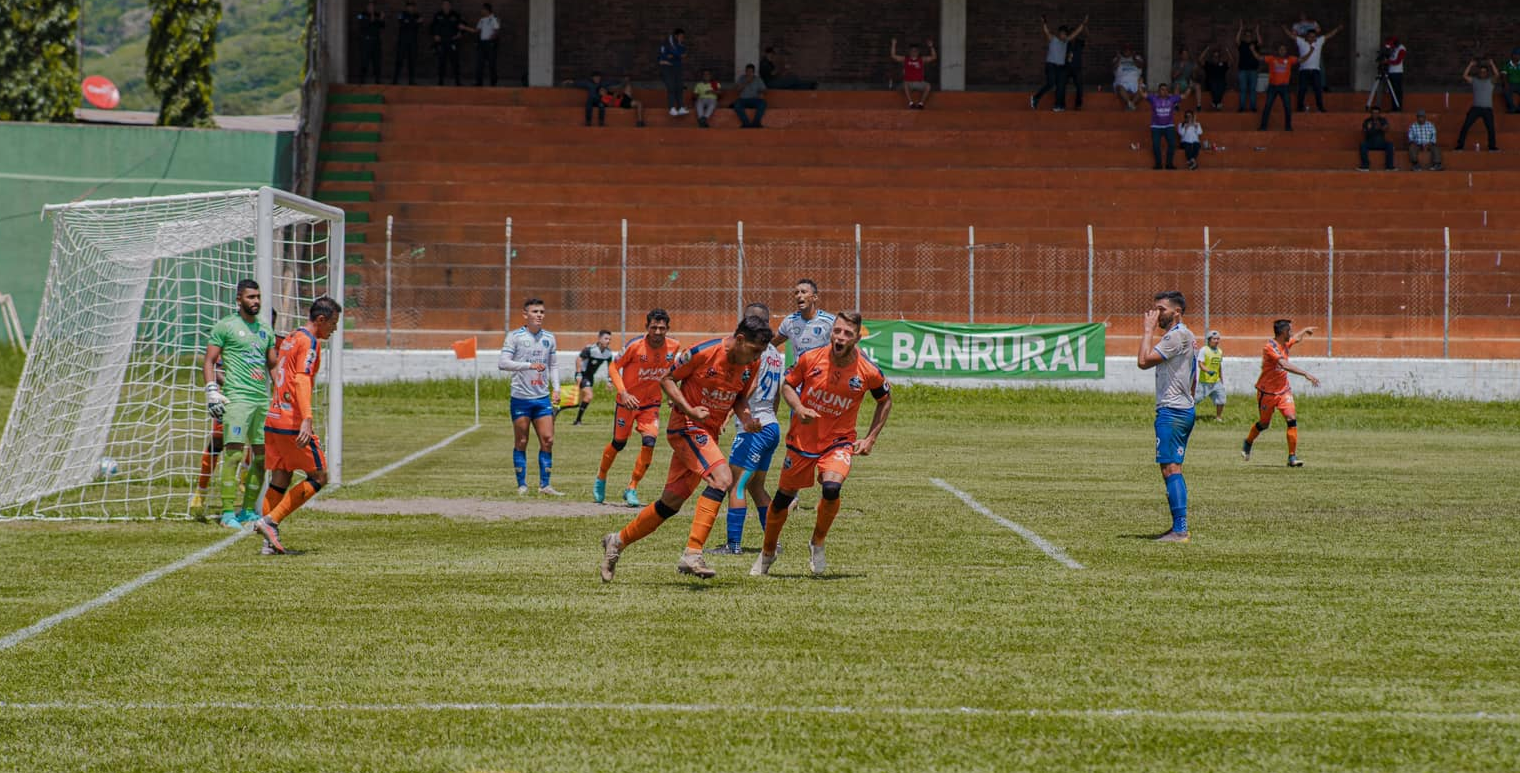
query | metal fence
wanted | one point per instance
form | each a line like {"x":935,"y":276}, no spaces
{"x":1427,"y":301}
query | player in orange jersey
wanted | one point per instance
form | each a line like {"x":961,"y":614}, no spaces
{"x":709,"y":381}
{"x":291,"y":443}
{"x":636,"y":372}
{"x":825,"y":388}
{"x":1273,"y":392}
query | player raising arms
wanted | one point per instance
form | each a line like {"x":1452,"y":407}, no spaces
{"x":755,"y":444}
{"x":825,"y":388}
{"x":1176,"y":377}
{"x":707,"y":382}
{"x":528,"y":353}
{"x":1273,"y":392}
{"x":591,"y":360}
{"x":636,"y":372}
{"x":245,"y":348}
{"x":291,"y":428}
{"x":809,"y":327}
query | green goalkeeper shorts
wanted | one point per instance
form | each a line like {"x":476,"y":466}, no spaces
{"x":243,"y":422}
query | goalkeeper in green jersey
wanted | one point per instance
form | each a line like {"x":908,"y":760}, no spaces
{"x":246,"y":348}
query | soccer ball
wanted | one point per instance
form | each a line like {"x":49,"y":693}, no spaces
{"x":107,"y":467}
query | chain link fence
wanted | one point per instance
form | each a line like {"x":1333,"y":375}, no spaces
{"x":1415,"y":302}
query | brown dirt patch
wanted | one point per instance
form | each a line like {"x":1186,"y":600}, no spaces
{"x":471,"y":509}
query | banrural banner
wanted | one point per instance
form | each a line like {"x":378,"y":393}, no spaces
{"x":903,"y":348}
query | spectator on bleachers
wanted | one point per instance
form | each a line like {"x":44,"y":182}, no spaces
{"x":1056,"y":70}
{"x":672,"y":52}
{"x":489,"y":28}
{"x":706,"y":91}
{"x":446,"y":26}
{"x":1163,"y":127}
{"x":621,"y":97}
{"x":1184,"y":77}
{"x":1375,"y":137}
{"x":596,"y":90}
{"x":370,"y":22}
{"x":1396,"y":55}
{"x":408,"y":22}
{"x":1310,"y":74}
{"x":1279,"y":75}
{"x":1216,"y":75}
{"x":778,"y":75}
{"x":1304,"y":25}
{"x":1191,"y":134}
{"x":751,"y":97}
{"x":1128,"y":83}
{"x":1483,"y":83}
{"x":914,"y":77}
{"x":1075,"y":45}
{"x":1247,"y":65}
{"x":1512,"y":82}
{"x":1422,"y":136}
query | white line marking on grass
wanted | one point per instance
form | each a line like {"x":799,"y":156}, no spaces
{"x":1213,"y":715}
{"x":408,"y":459}
{"x":1038,"y":541}
{"x":118,"y":591}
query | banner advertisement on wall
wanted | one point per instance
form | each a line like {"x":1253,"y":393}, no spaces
{"x":905,"y":348}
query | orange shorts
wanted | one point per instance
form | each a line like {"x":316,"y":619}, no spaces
{"x":646,"y":420}
{"x":696,"y":452}
{"x":282,"y":453}
{"x":1267,"y":403}
{"x":799,"y":472}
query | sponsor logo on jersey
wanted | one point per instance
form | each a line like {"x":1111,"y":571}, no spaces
{"x":829,"y":400}
{"x":718,"y":396}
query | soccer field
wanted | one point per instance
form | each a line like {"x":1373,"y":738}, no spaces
{"x":1356,"y":614}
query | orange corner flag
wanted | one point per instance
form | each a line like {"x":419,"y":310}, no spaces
{"x":465,"y":350}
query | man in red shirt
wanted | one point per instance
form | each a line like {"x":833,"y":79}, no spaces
{"x":825,"y":388}
{"x":706,"y":383}
{"x":1273,"y":392}
{"x":914,"y":79}
{"x":1279,"y":74}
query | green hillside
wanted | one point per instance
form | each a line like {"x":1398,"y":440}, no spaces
{"x":259,"y":53}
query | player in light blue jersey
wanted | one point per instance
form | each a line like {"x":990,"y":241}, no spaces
{"x":528,"y":353}
{"x":808,"y":327}
{"x":755,"y":444}
{"x":1176,"y":378}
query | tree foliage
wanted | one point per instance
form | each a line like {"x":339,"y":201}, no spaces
{"x":39,"y":66}
{"x":181,"y":50}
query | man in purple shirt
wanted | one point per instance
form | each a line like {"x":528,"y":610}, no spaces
{"x":1163,"y":122}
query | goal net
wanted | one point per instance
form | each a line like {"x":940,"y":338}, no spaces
{"x":109,"y":419}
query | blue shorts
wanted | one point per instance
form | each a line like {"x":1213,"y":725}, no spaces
{"x":1173,"y":427}
{"x":753,"y":450}
{"x":531,"y":408}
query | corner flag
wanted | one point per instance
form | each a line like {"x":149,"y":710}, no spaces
{"x":465,"y":350}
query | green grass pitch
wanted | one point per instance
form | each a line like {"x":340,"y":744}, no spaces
{"x":1355,"y":615}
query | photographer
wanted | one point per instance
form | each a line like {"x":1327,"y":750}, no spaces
{"x":1390,"y":62}
{"x":1483,"y":83}
{"x":1375,"y":137}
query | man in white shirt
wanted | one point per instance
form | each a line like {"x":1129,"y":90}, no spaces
{"x":528,"y":353}
{"x":1310,"y":45}
{"x":489,"y":28}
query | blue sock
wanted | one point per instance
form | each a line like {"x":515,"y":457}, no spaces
{"x":735,"y":525}
{"x":520,"y":466}
{"x":1176,"y":497}
{"x":761,"y":511}
{"x":545,"y":466}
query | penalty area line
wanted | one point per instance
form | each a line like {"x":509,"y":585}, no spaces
{"x":1034,"y":539}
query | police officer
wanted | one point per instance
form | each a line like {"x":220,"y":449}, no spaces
{"x":370,"y":23}
{"x":447,"y":24}
{"x":407,"y":24}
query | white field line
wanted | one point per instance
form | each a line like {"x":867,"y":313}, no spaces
{"x":1034,"y":539}
{"x":1204,"y":715}
{"x":117,"y":592}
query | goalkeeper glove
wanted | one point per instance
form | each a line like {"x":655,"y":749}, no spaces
{"x":216,"y":402}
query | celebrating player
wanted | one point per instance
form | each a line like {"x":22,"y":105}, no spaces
{"x":591,"y":360}
{"x":809,"y":327}
{"x":1273,"y":392}
{"x":755,"y":444}
{"x":528,"y":353}
{"x":636,"y":374}
{"x":707,"y":382}
{"x":245,"y":347}
{"x":825,"y":388}
{"x":290,"y":428}
{"x":1176,"y":377}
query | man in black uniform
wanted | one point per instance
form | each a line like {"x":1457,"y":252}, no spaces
{"x":591,"y":360}
{"x":407,"y":24}
{"x":370,"y":22}
{"x":447,"y":24}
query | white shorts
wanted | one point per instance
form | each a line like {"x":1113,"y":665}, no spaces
{"x":1214,"y":391}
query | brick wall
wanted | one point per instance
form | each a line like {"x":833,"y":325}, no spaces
{"x":1004,"y":43}
{"x":622,"y":37}
{"x":847,"y":41}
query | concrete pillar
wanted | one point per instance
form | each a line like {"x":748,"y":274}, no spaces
{"x":1158,"y":42}
{"x":1367,"y":29}
{"x":540,"y":42}
{"x":746,"y":35}
{"x":952,"y":45}
{"x":335,"y":18}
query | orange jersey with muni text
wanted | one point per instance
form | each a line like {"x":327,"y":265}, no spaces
{"x":836,"y":393}
{"x":294,"y":374}
{"x":707,"y":378}
{"x":1274,"y":379}
{"x":638,"y":369}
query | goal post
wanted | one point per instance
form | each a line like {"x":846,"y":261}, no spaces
{"x":109,"y":420}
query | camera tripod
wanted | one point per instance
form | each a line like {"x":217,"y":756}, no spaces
{"x":1382,"y":82}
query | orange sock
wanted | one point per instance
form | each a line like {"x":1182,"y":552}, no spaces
{"x":608,"y":454}
{"x":208,"y":463}
{"x":1292,"y":441}
{"x":827,"y":509}
{"x":646,"y":455}
{"x":272,"y":497}
{"x":641,"y":526}
{"x":774,"y":520}
{"x":702,"y":522}
{"x":294,"y":498}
